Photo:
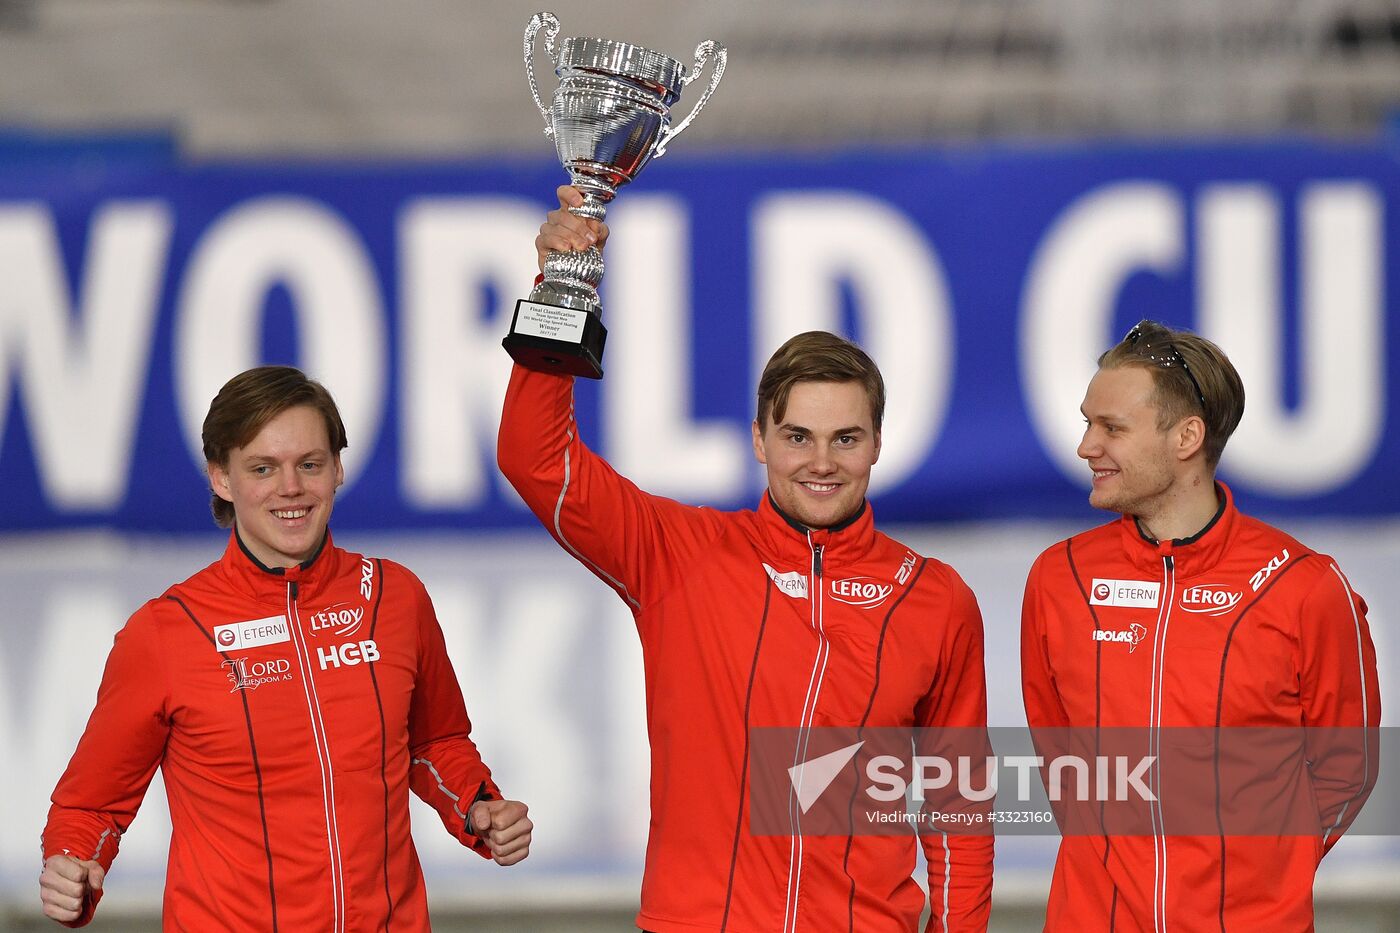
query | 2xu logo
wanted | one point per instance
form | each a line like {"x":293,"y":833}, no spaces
{"x":1263,"y":572}
{"x":366,"y":578}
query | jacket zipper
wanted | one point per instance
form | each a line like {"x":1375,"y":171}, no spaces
{"x":323,"y":757}
{"x":809,"y":712}
{"x":1154,"y":737}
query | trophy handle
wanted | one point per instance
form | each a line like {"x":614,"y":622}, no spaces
{"x":550,"y":23}
{"x":703,"y":53}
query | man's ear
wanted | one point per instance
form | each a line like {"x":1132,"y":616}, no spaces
{"x":1190,"y":436}
{"x":876,"y":459}
{"x":219,"y":481}
{"x":759,"y":454}
{"x":339,"y":471}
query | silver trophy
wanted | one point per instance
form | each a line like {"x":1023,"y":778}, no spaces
{"x":610,"y":115}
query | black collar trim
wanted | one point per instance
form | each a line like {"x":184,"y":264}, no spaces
{"x":803,"y":529}
{"x":1183,"y":542}
{"x":279,"y":571}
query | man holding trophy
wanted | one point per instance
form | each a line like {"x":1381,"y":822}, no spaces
{"x":740,"y":623}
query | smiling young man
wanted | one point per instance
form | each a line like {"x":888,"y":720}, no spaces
{"x":1184,"y":625}
{"x":746,"y":621}
{"x":292,"y":694}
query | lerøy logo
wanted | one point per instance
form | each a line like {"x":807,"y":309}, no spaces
{"x":793,"y":583}
{"x":238,"y":636}
{"x":1132,"y":635}
{"x":1138,"y":594}
{"x":341,"y":623}
{"x":250,"y":675}
{"x":1210,"y":600}
{"x":861,"y":592}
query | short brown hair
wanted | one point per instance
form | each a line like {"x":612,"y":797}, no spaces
{"x":1191,"y":376}
{"x":817,"y":356}
{"x":247,"y":402}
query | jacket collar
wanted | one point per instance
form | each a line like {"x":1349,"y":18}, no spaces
{"x":252,"y":576}
{"x":1196,"y":554}
{"x":842,"y":544}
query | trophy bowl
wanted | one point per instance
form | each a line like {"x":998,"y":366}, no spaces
{"x":609,"y":116}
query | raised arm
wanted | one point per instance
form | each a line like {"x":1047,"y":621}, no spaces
{"x":627,"y":537}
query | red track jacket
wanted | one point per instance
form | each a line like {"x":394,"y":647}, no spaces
{"x":739,"y":618}
{"x":1241,"y":626}
{"x":290,"y":712}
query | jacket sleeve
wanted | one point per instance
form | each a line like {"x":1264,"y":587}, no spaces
{"x":1039,"y":692}
{"x":954,"y":712}
{"x":445,"y":768}
{"x":1340,"y":696}
{"x":98,"y":795}
{"x":623,"y":535}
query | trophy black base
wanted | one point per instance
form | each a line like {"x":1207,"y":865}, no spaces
{"x":551,"y":339}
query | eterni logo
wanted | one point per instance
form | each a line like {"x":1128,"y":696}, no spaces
{"x":1131,"y":635}
{"x":238,"y":636}
{"x":1139,"y":594}
{"x":793,"y":583}
{"x":1210,"y":600}
{"x":861,"y":592}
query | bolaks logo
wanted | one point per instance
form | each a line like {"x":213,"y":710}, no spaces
{"x":1263,"y":572}
{"x":341,"y":623}
{"x":250,"y":675}
{"x":1132,"y":635}
{"x":793,"y":583}
{"x":1210,"y":600}
{"x":861,"y":592}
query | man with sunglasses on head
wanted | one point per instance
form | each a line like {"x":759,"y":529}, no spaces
{"x":1174,"y":627}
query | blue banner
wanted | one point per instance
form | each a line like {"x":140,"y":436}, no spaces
{"x":984,"y":281}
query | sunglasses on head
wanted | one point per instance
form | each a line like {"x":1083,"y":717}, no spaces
{"x":1170,"y":357}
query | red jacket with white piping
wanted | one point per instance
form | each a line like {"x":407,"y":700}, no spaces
{"x":1240,"y":626}
{"x":290,"y":712}
{"x":743,"y":625}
